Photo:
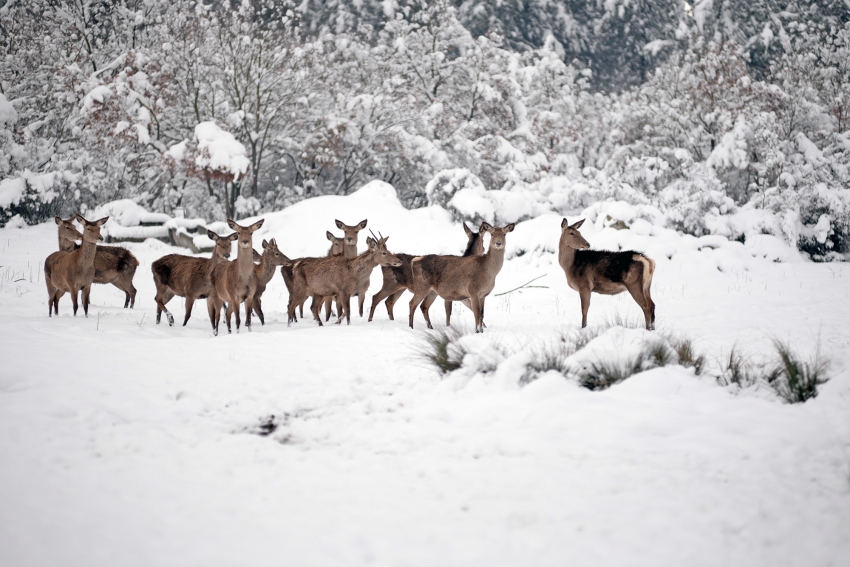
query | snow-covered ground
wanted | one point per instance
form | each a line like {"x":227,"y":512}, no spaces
{"x":128,"y":443}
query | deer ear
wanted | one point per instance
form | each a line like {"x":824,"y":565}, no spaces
{"x":257,"y":225}
{"x":384,"y":239}
{"x":362,"y":224}
{"x":564,"y":223}
{"x":57,"y":219}
{"x":101,"y":222}
{"x":467,"y":230}
{"x":80,"y":219}
{"x":234,"y":236}
{"x":265,"y":244}
{"x":339,"y":224}
{"x":212,"y":235}
{"x":232,"y":224}
{"x":272,"y":242}
{"x":578,"y":224}
{"x":510,"y":227}
{"x":487,"y":227}
{"x":329,"y":235}
{"x":370,"y":242}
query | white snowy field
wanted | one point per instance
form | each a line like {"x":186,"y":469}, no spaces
{"x":124,"y":442}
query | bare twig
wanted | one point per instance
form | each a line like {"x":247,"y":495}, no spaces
{"x":525,"y":285}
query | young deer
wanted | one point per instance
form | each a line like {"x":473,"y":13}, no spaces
{"x":457,"y":278}
{"x":337,"y":276}
{"x":263,"y":272}
{"x":605,"y":272}
{"x":187,"y":276}
{"x":336,"y":249}
{"x":235,"y":282}
{"x":397,"y":280}
{"x":72,"y":272}
{"x":350,"y":251}
{"x":112,"y":264}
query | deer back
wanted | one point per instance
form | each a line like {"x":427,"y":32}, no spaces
{"x":188,"y":276}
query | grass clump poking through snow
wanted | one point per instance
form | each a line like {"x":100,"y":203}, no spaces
{"x":736,"y":370}
{"x":604,"y":373}
{"x":442,"y":351}
{"x":794,"y":379}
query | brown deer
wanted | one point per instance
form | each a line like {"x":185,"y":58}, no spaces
{"x":605,"y":272}
{"x":112,"y":264}
{"x":397,"y":280}
{"x":272,"y":257}
{"x":337,"y":276}
{"x":235,"y":282}
{"x":187,"y":276}
{"x":336,"y":249}
{"x":457,"y":278}
{"x":73,"y":272}
{"x":350,"y":251}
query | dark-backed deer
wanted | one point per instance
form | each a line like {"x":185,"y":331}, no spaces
{"x":457,"y":278}
{"x":73,"y":272}
{"x":336,"y":249}
{"x":187,"y":276}
{"x":112,"y":264}
{"x":271,"y":258}
{"x":350,"y":251}
{"x":399,"y":279}
{"x":235,"y":282}
{"x":337,"y":276}
{"x":601,"y":271}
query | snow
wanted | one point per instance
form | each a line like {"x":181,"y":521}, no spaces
{"x":8,"y":114}
{"x":136,"y":444}
{"x":97,"y":94}
{"x":220,"y":150}
{"x":127,"y":213}
{"x":11,"y":191}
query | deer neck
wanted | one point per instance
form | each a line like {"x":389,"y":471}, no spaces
{"x":566,"y":253}
{"x":66,"y":245}
{"x":493,"y":261}
{"x":349,"y":250}
{"x":265,"y":270}
{"x":245,"y":262}
{"x":363,"y":264}
{"x":85,"y":254}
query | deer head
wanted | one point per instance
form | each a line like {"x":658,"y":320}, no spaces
{"x":222,"y":244}
{"x":244,"y":233}
{"x":570,"y":236}
{"x":497,"y":234}
{"x":351,"y":231}
{"x":378,"y":247}
{"x":91,"y":230}
{"x":336,"y":243}
{"x":273,"y":255}
{"x":67,"y":230}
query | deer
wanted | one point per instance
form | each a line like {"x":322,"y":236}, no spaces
{"x":456,"y":278}
{"x":112,"y":264}
{"x":350,"y":251}
{"x":73,"y":272}
{"x":397,"y":280}
{"x":336,"y":249}
{"x":271,"y":258}
{"x":605,"y":272}
{"x":235,"y":282}
{"x":337,"y":276}
{"x":187,"y":276}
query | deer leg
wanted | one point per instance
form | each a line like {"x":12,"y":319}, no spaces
{"x":483,"y":299}
{"x":418,"y":297}
{"x":74,"y":296}
{"x":448,"y":305}
{"x":391,"y":300}
{"x":301,"y":309}
{"x":214,"y":312}
{"x":426,"y":306}
{"x":258,"y":309}
{"x":314,"y":308}
{"x":51,"y":292}
{"x":328,"y":303}
{"x":345,"y":300}
{"x":249,"y":309}
{"x":85,"y":294}
{"x":476,"y":311}
{"x":227,"y":315}
{"x":56,"y":298}
{"x":376,"y":299}
{"x":361,"y":298}
{"x":132,"y":296}
{"x":637,"y":294}
{"x":585,"y":304}
{"x":236,"y":312}
{"x":161,"y":299}
{"x":190,"y":302}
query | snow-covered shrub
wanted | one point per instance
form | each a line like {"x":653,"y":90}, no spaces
{"x":794,"y":378}
{"x":38,"y":197}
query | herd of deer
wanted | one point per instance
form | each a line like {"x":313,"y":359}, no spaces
{"x":337,"y":277}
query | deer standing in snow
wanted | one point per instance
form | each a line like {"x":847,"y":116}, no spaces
{"x":605,"y":272}
{"x":73,"y":272}
{"x":350,"y":251}
{"x":337,"y":276}
{"x":235,"y":282}
{"x":187,"y":276}
{"x":336,"y":249}
{"x":458,"y":278}
{"x":271,"y":258}
{"x":112,"y":264}
{"x":399,"y":279}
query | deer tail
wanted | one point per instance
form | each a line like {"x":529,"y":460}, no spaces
{"x":648,"y":270}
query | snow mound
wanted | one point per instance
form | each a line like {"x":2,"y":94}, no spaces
{"x":219,"y":150}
